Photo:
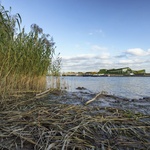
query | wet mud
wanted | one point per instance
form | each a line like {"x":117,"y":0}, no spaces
{"x":82,"y":95}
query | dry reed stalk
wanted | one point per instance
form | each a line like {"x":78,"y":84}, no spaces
{"x":22,"y":84}
{"x":34,"y":124}
{"x":31,"y":83}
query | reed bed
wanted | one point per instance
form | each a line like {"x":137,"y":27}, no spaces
{"x":25,"y":58}
{"x":33,"y":123}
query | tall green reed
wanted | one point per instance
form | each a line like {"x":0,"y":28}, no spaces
{"x":25,"y":58}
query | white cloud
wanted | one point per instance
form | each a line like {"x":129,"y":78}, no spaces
{"x":85,"y":62}
{"x":137,"y":52}
{"x":148,"y":51}
{"x":105,"y":55}
{"x":126,"y":61}
{"x":133,"y":61}
{"x":93,"y":62}
{"x":99,"y":48}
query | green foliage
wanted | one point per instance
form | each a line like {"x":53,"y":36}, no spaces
{"x":122,"y":71}
{"x":54,"y":69}
{"x":23,"y":55}
{"x":102,"y":71}
{"x":139,"y":72}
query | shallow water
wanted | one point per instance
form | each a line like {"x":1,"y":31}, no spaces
{"x":129,"y":93}
{"x":129,"y":87}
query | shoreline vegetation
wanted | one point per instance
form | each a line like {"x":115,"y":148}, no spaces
{"x":120,"y":72}
{"x":112,"y":75}
{"x":35,"y":118}
{"x":25,"y":58}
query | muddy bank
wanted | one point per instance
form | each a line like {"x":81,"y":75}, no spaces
{"x":60,"y":120}
{"x":83,"y":95}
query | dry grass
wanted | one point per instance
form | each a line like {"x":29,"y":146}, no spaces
{"x":22,"y":84}
{"x":32,"y":123}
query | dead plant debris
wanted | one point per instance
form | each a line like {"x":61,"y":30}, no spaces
{"x":33,"y":124}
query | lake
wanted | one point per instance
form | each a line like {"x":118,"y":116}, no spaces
{"x":129,"y":87}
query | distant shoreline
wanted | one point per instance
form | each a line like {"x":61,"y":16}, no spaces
{"x":106,"y":75}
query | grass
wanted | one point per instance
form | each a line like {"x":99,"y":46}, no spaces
{"x":33,"y":123}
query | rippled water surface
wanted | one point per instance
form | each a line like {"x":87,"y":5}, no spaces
{"x":130,"y":87}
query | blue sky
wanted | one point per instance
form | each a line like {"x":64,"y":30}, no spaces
{"x":92,"y":34}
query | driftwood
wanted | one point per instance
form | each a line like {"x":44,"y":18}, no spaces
{"x":43,"y":93}
{"x":93,"y":99}
{"x":54,"y":91}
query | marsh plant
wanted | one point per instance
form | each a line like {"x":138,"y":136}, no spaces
{"x":25,"y":58}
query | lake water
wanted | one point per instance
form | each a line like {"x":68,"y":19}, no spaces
{"x":129,"y":87}
{"x":128,"y":93}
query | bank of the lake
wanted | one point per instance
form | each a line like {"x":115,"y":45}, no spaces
{"x":55,"y":121}
{"x":118,"y":118}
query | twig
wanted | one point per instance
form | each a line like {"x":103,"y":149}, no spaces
{"x":93,"y":99}
{"x":45,"y":92}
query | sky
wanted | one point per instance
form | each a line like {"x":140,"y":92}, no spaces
{"x":92,"y":34}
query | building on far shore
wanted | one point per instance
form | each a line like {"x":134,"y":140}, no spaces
{"x":122,"y":71}
{"x":126,"y":71}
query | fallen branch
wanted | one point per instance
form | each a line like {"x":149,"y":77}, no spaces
{"x":40,"y":94}
{"x":93,"y":99}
